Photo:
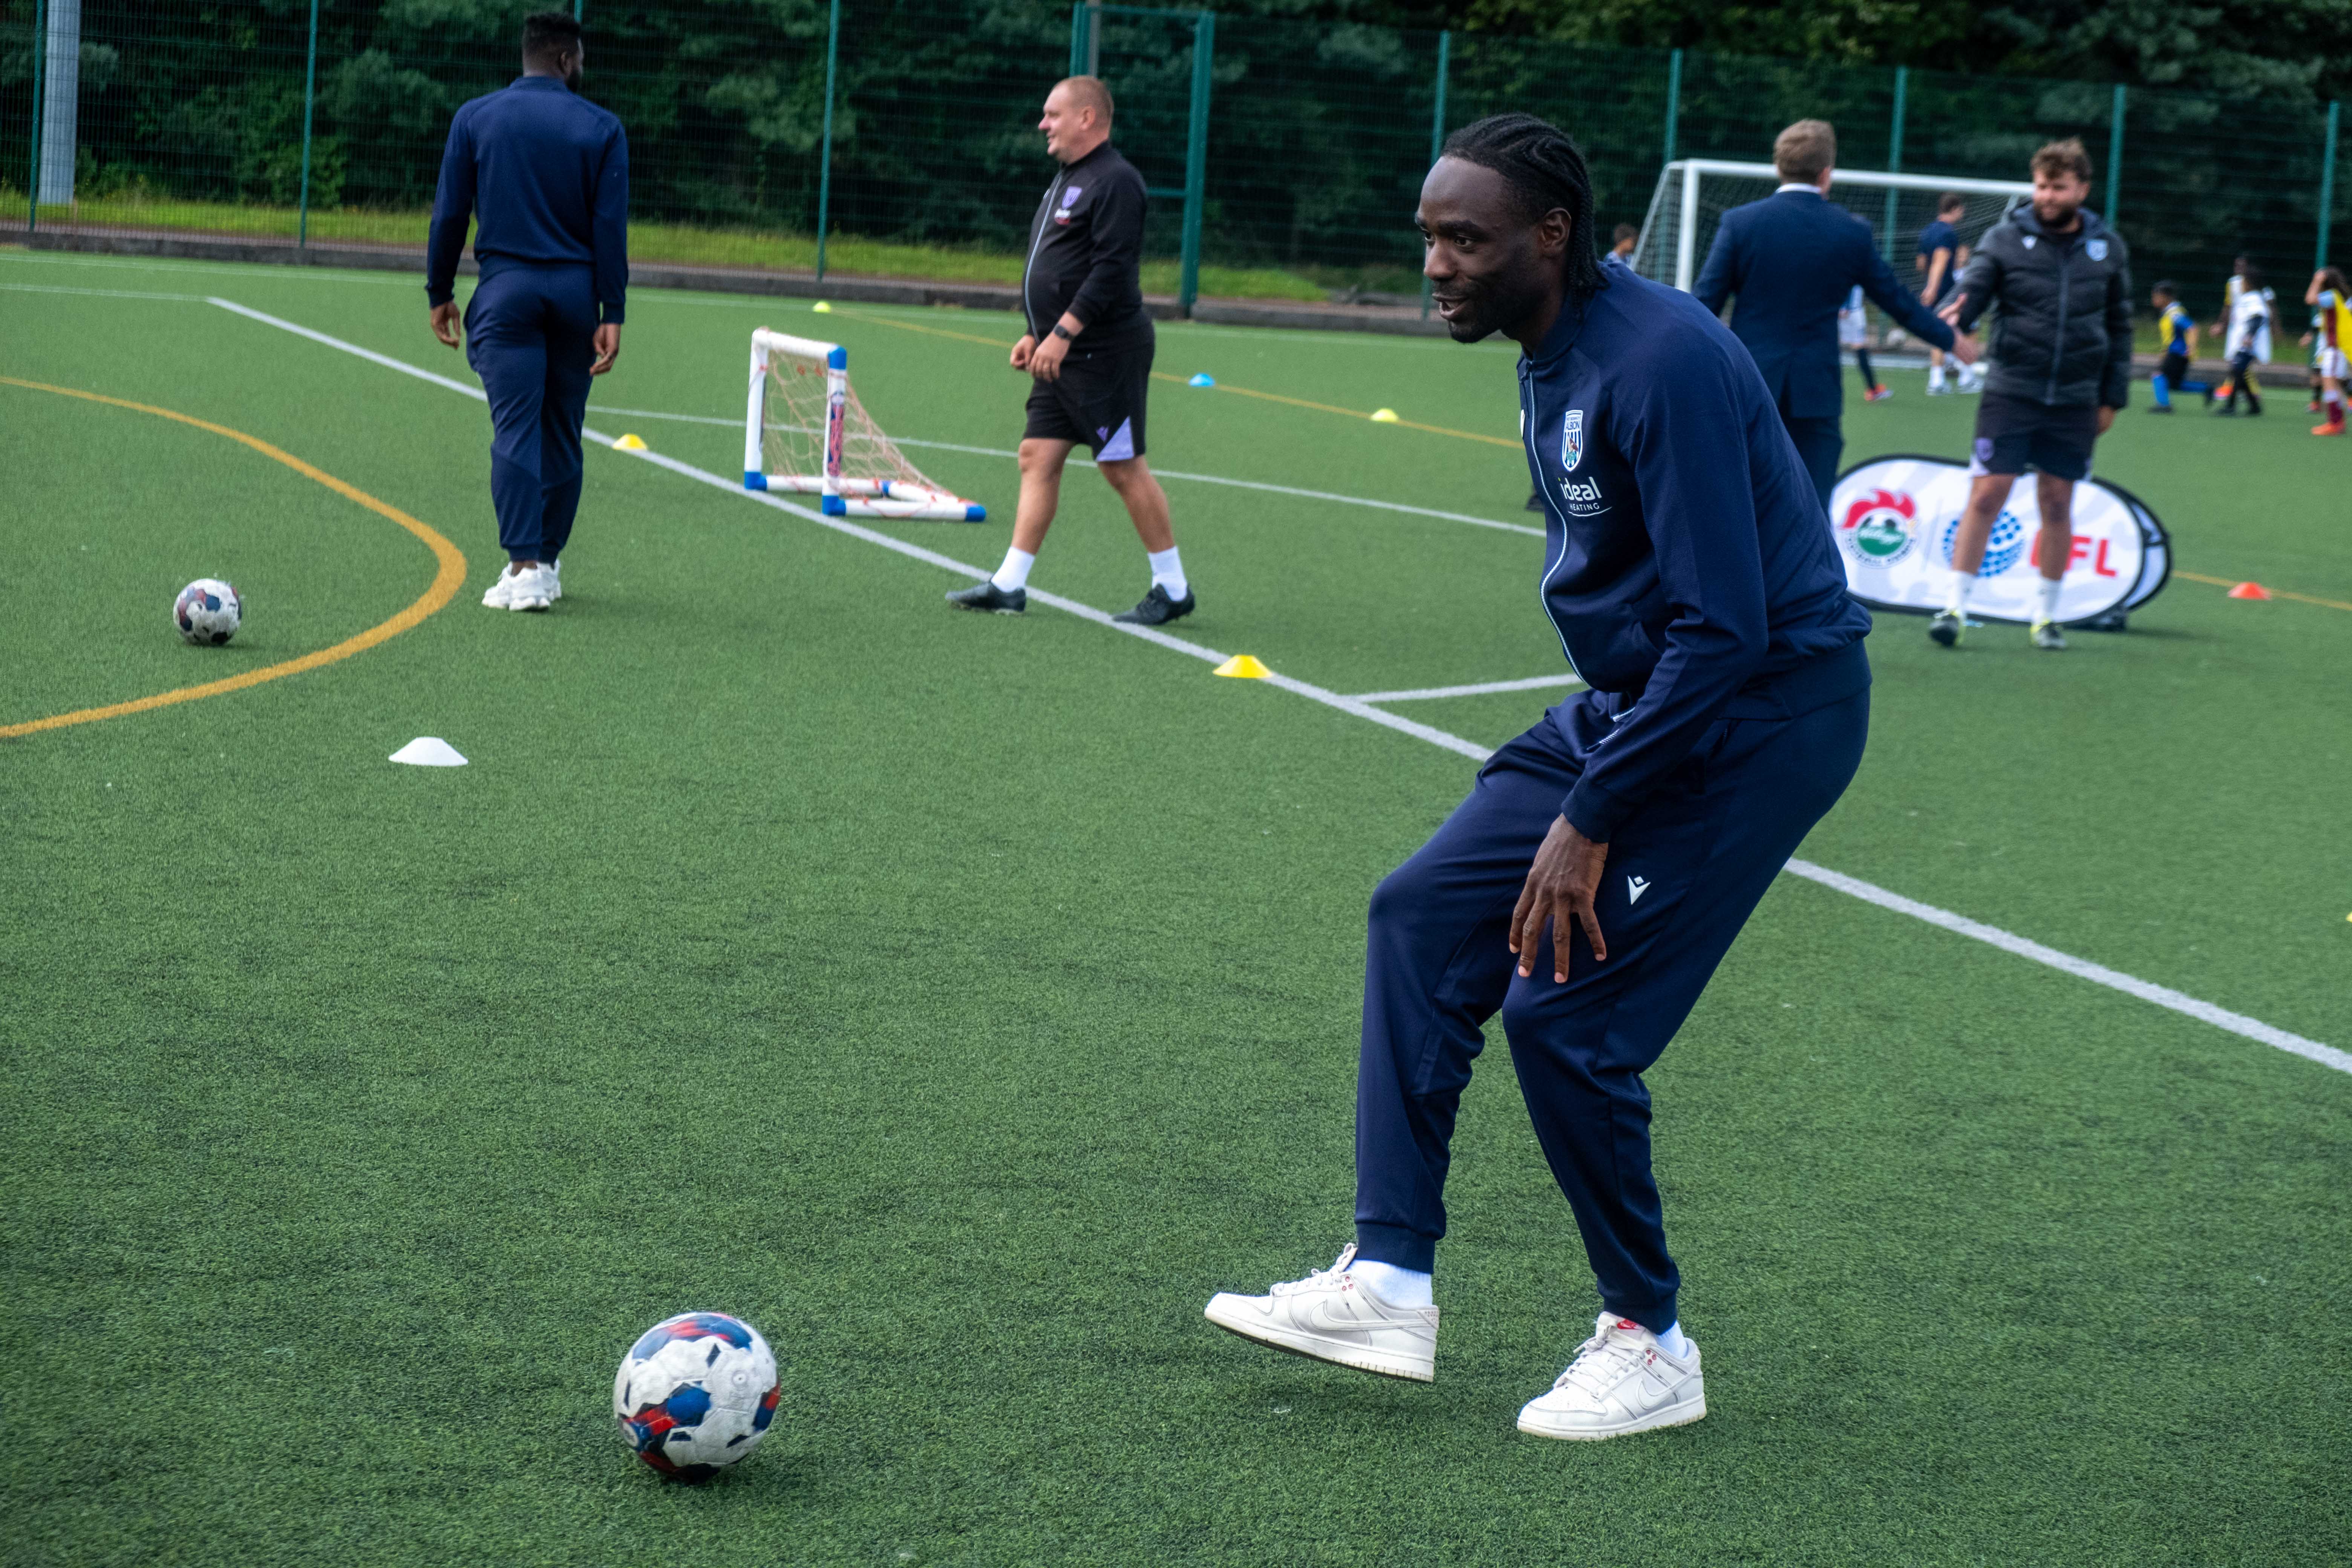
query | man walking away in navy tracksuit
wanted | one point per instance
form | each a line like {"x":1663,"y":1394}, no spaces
{"x":548,"y":172}
{"x":1694,"y":587}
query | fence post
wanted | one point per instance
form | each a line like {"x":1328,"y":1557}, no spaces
{"x":309,"y":100}
{"x":1893,"y":163}
{"x":825,"y":171}
{"x":1094,"y":38}
{"x":1196,"y":155}
{"x":2328,"y":180}
{"x":1673,"y":99}
{"x":32,"y":169}
{"x":1081,"y":14}
{"x":2114,"y":155}
{"x":1437,"y":130}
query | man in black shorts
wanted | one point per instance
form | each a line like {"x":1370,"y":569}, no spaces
{"x":2062,"y":367}
{"x":1088,"y":354}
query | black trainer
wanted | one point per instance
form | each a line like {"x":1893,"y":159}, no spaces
{"x":1535,"y":501}
{"x":986,"y":594}
{"x":1158,"y":609}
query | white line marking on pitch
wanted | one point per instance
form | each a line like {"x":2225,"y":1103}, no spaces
{"x":1533,"y":683}
{"x":1163,"y":473}
{"x":2080,"y":968}
{"x":101,"y":293}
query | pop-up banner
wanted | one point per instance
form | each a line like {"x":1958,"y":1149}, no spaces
{"x":1894,"y":519}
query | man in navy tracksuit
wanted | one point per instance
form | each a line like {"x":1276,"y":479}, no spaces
{"x":549,"y":173}
{"x":1694,"y":586}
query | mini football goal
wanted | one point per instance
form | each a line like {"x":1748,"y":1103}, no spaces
{"x":1692,"y":195}
{"x":805,"y":430}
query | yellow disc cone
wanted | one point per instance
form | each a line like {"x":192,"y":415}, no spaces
{"x":1243,"y":666}
{"x":821,"y":308}
{"x":630,"y":444}
{"x":1384,"y":417}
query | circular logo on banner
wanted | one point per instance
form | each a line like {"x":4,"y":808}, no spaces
{"x":2003,"y":550}
{"x":1878,"y":528}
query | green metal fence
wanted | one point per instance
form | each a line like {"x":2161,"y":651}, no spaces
{"x":785,"y":133}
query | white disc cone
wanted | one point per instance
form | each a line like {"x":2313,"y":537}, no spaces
{"x":429,"y":752}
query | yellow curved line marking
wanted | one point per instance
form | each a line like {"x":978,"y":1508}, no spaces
{"x":2275,"y":593}
{"x":446,"y":582}
{"x":1221,"y":386}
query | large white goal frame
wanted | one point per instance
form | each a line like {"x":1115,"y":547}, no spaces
{"x":1675,"y":216}
{"x":820,"y":441}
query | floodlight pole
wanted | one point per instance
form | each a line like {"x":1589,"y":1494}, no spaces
{"x":1893,"y":163}
{"x":1437,"y":135}
{"x":2114,"y":155}
{"x":33,"y":172}
{"x":825,"y":173}
{"x":1196,"y":155}
{"x":310,"y":101}
{"x":2327,"y":179}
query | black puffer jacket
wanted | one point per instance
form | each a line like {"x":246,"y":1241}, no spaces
{"x":2063,"y":334}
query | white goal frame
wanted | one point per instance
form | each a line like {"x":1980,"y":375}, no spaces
{"x":839,"y":495}
{"x":1686,"y":173}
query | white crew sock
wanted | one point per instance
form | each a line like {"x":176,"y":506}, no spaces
{"x":1957,"y":602}
{"x":1673,"y":1342}
{"x":1014,"y":572}
{"x":1169,"y":572}
{"x":2049,"y":599}
{"x":1935,"y":376}
{"x":1397,"y":1287}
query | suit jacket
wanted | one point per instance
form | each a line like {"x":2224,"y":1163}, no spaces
{"x":1791,"y":259}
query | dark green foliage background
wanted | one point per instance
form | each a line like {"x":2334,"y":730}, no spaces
{"x":963,"y":999}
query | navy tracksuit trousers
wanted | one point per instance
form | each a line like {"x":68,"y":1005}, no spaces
{"x":1682,"y":878}
{"x":531,"y":336}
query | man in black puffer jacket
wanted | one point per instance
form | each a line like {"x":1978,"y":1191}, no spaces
{"x":2062,"y":367}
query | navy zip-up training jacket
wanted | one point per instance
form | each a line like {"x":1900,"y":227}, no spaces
{"x":1687,"y":567}
{"x":549,"y":173}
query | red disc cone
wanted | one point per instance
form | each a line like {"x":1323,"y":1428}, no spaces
{"x":2250,"y":591}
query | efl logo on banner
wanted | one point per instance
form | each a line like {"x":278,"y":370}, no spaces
{"x":1896,"y":519}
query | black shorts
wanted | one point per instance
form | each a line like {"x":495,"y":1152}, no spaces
{"x":2175,"y":368}
{"x":2014,"y":434}
{"x":1098,"y":399}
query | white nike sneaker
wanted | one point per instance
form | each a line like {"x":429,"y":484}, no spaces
{"x":502,"y":588}
{"x":533,"y":588}
{"x":1333,"y":1316}
{"x":1622,"y":1380}
{"x":554,"y":577}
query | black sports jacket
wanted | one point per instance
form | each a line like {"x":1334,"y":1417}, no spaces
{"x":2063,"y":336}
{"x":1086,"y":253}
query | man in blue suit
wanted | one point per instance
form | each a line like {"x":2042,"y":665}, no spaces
{"x":1791,"y":259}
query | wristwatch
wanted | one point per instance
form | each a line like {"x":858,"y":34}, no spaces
{"x":1064,"y":333}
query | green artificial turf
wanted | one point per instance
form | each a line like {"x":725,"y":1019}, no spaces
{"x":963,"y":999}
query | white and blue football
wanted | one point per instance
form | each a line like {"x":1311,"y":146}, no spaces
{"x":207,"y":612}
{"x":696,"y":1394}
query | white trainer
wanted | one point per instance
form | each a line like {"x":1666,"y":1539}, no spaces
{"x":1333,"y":1316}
{"x":531,"y":588}
{"x":555,"y":576}
{"x":1621,"y":1381}
{"x":502,"y":588}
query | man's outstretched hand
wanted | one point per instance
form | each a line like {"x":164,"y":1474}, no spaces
{"x":1560,"y":887}
{"x":445,"y":322}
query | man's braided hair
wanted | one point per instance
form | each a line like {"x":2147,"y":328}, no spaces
{"x":1544,"y":171}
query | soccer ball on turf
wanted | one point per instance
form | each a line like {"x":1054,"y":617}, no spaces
{"x":696,"y":1394}
{"x":207,"y":612}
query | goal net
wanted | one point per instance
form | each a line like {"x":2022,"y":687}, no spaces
{"x":805,"y":430}
{"x":1692,"y":195}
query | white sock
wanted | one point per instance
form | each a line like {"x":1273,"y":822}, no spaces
{"x":1397,"y":1287}
{"x":1673,"y":1342}
{"x":1014,"y":572}
{"x":1935,"y":376}
{"x":1957,"y":602}
{"x":2049,"y":599}
{"x":1169,"y":572}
